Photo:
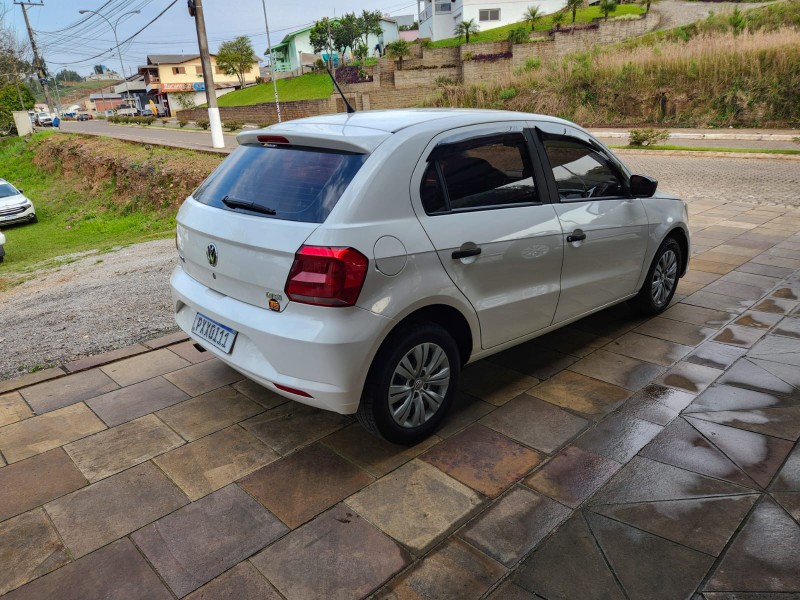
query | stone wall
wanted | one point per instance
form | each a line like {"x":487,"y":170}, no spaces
{"x":406,"y":79}
{"x":263,"y":114}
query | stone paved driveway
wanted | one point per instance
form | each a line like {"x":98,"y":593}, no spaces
{"x":617,"y":458}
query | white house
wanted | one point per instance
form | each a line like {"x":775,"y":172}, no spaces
{"x":438,"y":18}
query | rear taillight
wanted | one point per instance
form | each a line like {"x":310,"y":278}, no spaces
{"x":327,"y":276}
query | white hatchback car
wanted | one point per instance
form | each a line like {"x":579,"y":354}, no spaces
{"x":357,"y":262}
{"x":14,"y":206}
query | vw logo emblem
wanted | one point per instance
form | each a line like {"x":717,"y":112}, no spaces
{"x":211,"y":255}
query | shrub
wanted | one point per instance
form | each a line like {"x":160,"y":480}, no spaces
{"x":443,"y":80}
{"x":796,"y":139}
{"x":647,"y":137}
{"x":233,"y":125}
{"x":468,"y":56}
{"x":518,"y":35}
{"x":203,"y":123}
{"x":508,"y":93}
{"x":164,"y":121}
{"x":183,"y":122}
{"x":425,"y":43}
{"x":352,"y":74}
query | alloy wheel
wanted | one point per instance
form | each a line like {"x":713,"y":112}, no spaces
{"x":664,"y":277}
{"x":419,"y":385}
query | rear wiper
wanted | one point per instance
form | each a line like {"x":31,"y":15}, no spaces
{"x":248,"y":205}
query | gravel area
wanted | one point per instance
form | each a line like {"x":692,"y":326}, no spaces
{"x":99,"y":302}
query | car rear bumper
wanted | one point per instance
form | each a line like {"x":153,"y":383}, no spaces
{"x":325,"y":352}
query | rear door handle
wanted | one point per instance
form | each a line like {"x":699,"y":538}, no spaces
{"x":576,"y":236}
{"x":457,"y":254}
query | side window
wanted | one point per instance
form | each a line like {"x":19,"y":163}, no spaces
{"x":489,"y":171}
{"x":580,"y":171}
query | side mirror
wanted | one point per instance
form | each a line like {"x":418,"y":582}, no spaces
{"x":20,"y":190}
{"x":643,"y":186}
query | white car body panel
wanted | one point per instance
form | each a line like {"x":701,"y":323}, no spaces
{"x":15,"y":209}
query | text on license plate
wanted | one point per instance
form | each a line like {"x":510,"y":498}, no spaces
{"x":214,"y":333}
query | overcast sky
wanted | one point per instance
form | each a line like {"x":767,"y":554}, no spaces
{"x":174,"y":32}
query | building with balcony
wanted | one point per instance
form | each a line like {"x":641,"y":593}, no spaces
{"x":438,"y":18}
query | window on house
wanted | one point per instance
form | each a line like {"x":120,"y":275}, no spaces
{"x":489,"y":14}
{"x":218,"y":71}
{"x":198,"y":70}
{"x":178,"y":70}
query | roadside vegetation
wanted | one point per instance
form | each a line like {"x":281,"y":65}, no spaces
{"x":92,"y":193}
{"x":741,"y":69}
{"x":311,"y":86}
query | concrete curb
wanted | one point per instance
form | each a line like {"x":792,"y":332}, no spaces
{"x":758,"y":137}
{"x":705,"y":154}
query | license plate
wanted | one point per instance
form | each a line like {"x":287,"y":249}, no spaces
{"x":214,"y":333}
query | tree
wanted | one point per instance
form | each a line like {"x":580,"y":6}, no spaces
{"x":67,"y":75}
{"x":321,"y":37}
{"x":531,"y":15}
{"x":647,"y":4}
{"x":558,"y":19}
{"x":399,"y":50}
{"x":466,"y":28}
{"x":186,"y":100}
{"x":574,"y":5}
{"x":370,"y":24}
{"x":236,"y":57}
{"x":607,"y":7}
{"x":10,"y":102}
{"x":346,"y":33}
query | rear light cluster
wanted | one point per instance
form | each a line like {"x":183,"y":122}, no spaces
{"x":327,"y":276}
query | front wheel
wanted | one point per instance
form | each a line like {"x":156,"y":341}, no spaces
{"x":411,"y":384}
{"x":661,"y":281}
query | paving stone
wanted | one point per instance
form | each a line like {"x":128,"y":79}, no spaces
{"x":145,"y":366}
{"x":266,"y":398}
{"x":293,"y":425}
{"x":493,"y":383}
{"x":509,"y":590}
{"x":768,"y":270}
{"x":534,"y":361}
{"x":110,"y":509}
{"x":759,"y":456}
{"x":788,"y":327}
{"x":117,"y":571}
{"x":787,"y":373}
{"x":679,"y":332}
{"x":718,"y":302}
{"x":746,"y":374}
{"x":572,"y":476}
{"x":52,"y":395}
{"x":704,"y":524}
{"x":775,"y":305}
{"x":777,"y":349}
{"x":334,"y":544}
{"x":214,"y":461}
{"x":483,"y":459}
{"x":644,"y":480}
{"x":535,"y":423}
{"x":204,"y":377}
{"x":204,"y":539}
{"x":371,"y":453}
{"x":693,"y":315}
{"x":648,"y":566}
{"x":609,"y":323}
{"x":302,"y":485}
{"x":97,"y":360}
{"x":166,"y":340}
{"x":30,"y":379}
{"x":45,"y":432}
{"x":700,"y":264}
{"x":788,"y":479}
{"x":242,"y":582}
{"x":758,"y":320}
{"x":735,"y":290}
{"x":417,"y":504}
{"x":13,"y":409}
{"x":582,"y":394}
{"x":618,"y":437}
{"x":208,"y":413}
{"x":465,"y":411}
{"x":569,"y":565}
{"x":29,"y":548}
{"x":736,"y":335}
{"x":763,"y":557}
{"x":722,"y":257}
{"x":135,"y":401}
{"x":690,"y":377}
{"x":616,"y":369}
{"x":36,"y":480}
{"x":514,"y":525}
{"x":782,"y":422}
{"x":188,"y":351}
{"x":777,"y":261}
{"x":453,"y":571}
{"x":650,"y":349}
{"x":571,"y":340}
{"x":656,"y":403}
{"x":787,"y":293}
{"x":725,"y":398}
{"x":121,"y":447}
{"x":681,"y":445}
{"x":716,"y":356}
{"x":790,"y":501}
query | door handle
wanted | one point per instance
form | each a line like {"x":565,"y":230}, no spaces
{"x":457,"y":254}
{"x":576,"y":236}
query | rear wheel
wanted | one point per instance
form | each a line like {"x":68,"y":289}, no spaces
{"x":661,"y":281}
{"x":411,"y":384}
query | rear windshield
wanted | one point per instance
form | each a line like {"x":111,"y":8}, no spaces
{"x":297,"y":183}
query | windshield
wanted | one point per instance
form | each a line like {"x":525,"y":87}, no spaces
{"x":7,"y":190}
{"x":281,"y":182}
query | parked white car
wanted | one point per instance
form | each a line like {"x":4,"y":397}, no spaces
{"x":15,"y":207}
{"x":357,"y":262}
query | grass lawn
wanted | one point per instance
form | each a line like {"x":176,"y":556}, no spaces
{"x":710,"y":149}
{"x":584,"y":15}
{"x":70,"y":218}
{"x":306,"y":87}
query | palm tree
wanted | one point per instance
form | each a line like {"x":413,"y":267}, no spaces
{"x":399,"y":50}
{"x":558,"y":19}
{"x":606,"y":7}
{"x":531,"y":15}
{"x":574,"y":5}
{"x":466,"y":28}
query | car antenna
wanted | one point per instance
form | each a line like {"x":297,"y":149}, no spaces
{"x":350,"y":109}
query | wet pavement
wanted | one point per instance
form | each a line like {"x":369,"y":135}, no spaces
{"x":616,"y":458}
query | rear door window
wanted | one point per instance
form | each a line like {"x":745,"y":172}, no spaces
{"x":282,"y":182}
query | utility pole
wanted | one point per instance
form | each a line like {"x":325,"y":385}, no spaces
{"x":272,"y":63}
{"x":41,"y":68}
{"x":196,"y":10}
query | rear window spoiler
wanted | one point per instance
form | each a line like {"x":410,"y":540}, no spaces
{"x":359,"y":140}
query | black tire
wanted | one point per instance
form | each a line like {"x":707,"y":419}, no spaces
{"x":35,"y":219}
{"x":374,"y":411}
{"x":649,"y":301}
